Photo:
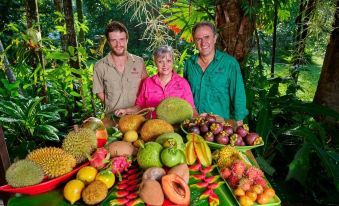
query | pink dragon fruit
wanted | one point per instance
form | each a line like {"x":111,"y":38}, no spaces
{"x":120,"y":164}
{"x":100,"y":158}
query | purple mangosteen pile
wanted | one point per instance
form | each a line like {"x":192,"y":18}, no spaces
{"x":221,"y":132}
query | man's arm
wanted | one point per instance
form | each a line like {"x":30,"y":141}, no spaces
{"x":101,"y":96}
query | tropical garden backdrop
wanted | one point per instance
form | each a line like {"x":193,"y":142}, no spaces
{"x":288,"y":51}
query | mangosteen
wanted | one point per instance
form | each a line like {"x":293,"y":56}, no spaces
{"x":242,"y":130}
{"x":228,"y":129}
{"x":203,"y":128}
{"x":198,"y":120}
{"x":253,"y":138}
{"x":186,"y":123}
{"x":194,"y":129}
{"x":210,"y":118}
{"x":209,"y":137}
{"x":222,"y":138}
{"x":236,"y":140}
{"x":216,"y":128}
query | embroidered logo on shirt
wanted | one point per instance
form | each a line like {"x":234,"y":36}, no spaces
{"x":134,"y":71}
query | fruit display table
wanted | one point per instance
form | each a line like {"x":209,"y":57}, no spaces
{"x":55,"y":197}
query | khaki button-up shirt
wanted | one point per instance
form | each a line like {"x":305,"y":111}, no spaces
{"x":120,"y":89}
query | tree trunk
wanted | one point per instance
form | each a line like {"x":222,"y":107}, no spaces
{"x":71,"y":34}
{"x":236,"y":29}
{"x":8,"y":71}
{"x":274,"y":40}
{"x":74,"y":62}
{"x":327,"y":93}
{"x":81,"y":21}
{"x":35,"y":45}
{"x":59,"y":7}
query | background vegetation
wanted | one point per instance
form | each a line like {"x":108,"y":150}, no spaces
{"x":45,"y":82}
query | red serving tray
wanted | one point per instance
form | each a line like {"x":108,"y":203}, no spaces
{"x":45,"y":186}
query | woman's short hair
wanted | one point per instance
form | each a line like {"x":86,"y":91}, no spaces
{"x":204,"y":23}
{"x":161,"y":51}
{"x":115,"y":26}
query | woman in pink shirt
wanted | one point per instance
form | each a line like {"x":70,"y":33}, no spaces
{"x":166,"y":83}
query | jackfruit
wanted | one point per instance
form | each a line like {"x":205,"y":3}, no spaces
{"x":24,"y":173}
{"x":174,"y":110}
{"x":94,"y":193}
{"x":80,"y":143}
{"x":131,"y":122}
{"x":54,"y":161}
{"x":153,"y":128}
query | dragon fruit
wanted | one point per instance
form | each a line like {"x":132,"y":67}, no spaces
{"x":100,"y":158}
{"x":120,"y":164}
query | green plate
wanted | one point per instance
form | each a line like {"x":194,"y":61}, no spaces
{"x":273,"y":202}
{"x":214,"y":145}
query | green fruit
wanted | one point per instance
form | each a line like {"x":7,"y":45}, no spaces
{"x":54,"y":161}
{"x":171,"y":157}
{"x":153,"y":128}
{"x":163,"y":140}
{"x":149,"y":155}
{"x":80,"y":143}
{"x":24,"y":173}
{"x":174,"y":110}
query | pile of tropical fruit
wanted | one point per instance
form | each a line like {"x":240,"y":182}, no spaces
{"x":151,"y":163}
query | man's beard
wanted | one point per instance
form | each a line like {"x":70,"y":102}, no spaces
{"x":115,"y":53}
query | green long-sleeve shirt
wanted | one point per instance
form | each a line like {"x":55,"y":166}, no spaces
{"x":220,"y":89}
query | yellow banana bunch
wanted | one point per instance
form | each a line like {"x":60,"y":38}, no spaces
{"x":197,"y":148}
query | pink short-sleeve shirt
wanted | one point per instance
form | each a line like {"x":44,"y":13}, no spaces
{"x":151,"y":92}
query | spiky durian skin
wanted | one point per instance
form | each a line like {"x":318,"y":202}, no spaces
{"x":80,"y":143}
{"x":24,"y":173}
{"x":54,"y":161}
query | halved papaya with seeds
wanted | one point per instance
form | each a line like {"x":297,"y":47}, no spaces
{"x":176,"y":189}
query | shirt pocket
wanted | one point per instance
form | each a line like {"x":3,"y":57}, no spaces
{"x":154,"y":97}
{"x":218,"y":84}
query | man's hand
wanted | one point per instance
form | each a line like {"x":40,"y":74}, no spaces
{"x":240,"y":123}
{"x":120,"y":112}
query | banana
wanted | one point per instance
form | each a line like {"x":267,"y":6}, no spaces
{"x":189,"y":153}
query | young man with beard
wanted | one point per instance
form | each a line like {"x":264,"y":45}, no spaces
{"x":117,"y":76}
{"x":215,"y":77}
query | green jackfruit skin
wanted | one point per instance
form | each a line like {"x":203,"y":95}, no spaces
{"x":80,"y":144}
{"x":24,"y":173}
{"x":174,"y":110}
{"x":149,"y":155}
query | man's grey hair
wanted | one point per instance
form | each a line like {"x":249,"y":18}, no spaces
{"x":204,"y":23}
{"x":161,"y":51}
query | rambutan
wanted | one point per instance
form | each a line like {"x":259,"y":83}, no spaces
{"x":260,"y":181}
{"x":238,"y":167}
{"x":225,"y":173}
{"x":233,"y":181}
{"x":253,"y":173}
{"x":245,"y":184}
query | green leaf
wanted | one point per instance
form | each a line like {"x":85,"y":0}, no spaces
{"x":299,"y":167}
{"x":46,"y":132}
{"x":265,"y":166}
{"x":9,"y":120}
{"x":264,"y":123}
{"x":75,"y":94}
{"x":57,"y":55}
{"x":332,"y":167}
{"x":314,"y":109}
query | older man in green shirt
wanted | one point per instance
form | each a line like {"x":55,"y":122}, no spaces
{"x":215,"y":77}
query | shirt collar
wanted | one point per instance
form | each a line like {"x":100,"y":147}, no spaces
{"x":130,"y":59}
{"x":217,"y":56}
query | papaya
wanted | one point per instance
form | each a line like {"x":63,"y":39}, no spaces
{"x":176,"y":189}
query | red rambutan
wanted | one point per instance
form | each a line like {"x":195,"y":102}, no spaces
{"x":260,"y":181}
{"x":253,"y":173}
{"x":245,"y":184}
{"x":233,"y":181}
{"x":225,"y":173}
{"x":238,"y":167}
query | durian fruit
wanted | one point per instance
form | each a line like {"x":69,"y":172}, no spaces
{"x":131,"y":122}
{"x":174,"y":110}
{"x":24,"y":173}
{"x":54,"y":161}
{"x":153,"y":128}
{"x":94,"y":193}
{"x":80,"y":143}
